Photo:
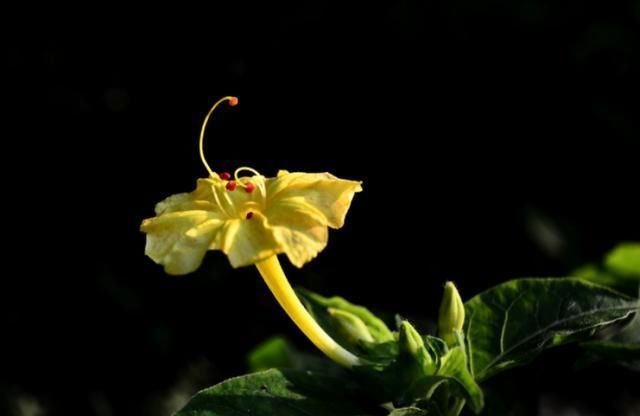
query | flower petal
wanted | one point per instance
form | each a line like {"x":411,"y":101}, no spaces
{"x":328,"y":194}
{"x":179,"y":240}
{"x":201,"y":198}
{"x":247,"y":241}
{"x":299,"y":228}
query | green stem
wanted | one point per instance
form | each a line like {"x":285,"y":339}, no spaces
{"x":456,"y":409}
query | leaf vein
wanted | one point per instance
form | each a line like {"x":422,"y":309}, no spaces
{"x":629,"y":309}
{"x":505,"y":320}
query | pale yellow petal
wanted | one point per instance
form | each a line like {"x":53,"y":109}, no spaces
{"x":179,"y":240}
{"x":326,"y":193}
{"x":201,"y":198}
{"x":299,"y":228}
{"x":247,"y":241}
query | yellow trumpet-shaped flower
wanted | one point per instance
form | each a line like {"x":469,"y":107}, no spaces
{"x":252,"y":219}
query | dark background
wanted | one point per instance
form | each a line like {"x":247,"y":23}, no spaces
{"x":495,"y":140}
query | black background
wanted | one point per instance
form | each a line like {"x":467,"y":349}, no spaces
{"x":495,"y":140}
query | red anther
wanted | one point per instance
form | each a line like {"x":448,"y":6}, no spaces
{"x":231,"y":185}
{"x":249,"y":215}
{"x":249,"y":187}
{"x":225,"y":176}
{"x":233,"y":101}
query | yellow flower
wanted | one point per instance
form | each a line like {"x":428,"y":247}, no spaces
{"x":288,"y":214}
{"x":252,"y":220}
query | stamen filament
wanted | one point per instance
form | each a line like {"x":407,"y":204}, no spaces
{"x":260,"y":184}
{"x":277,"y":282}
{"x":232,"y":102}
{"x":243,"y":168}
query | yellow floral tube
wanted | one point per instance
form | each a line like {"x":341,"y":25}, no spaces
{"x":277,"y":282}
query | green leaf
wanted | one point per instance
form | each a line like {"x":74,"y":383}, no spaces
{"x":276,"y":392}
{"x":278,"y":352}
{"x":274,"y":352}
{"x":594,"y":274}
{"x":351,"y":325}
{"x":624,"y":260}
{"x":623,"y":347}
{"x":409,"y":411}
{"x":455,"y":367}
{"x":453,"y":376}
{"x":508,"y":325}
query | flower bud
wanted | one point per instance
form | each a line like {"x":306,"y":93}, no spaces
{"x":409,"y":339}
{"x":350,"y":326}
{"x":451,"y":315}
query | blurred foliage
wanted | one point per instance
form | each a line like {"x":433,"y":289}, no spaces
{"x":619,"y":270}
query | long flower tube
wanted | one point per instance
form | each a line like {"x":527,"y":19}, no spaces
{"x":277,"y":282}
